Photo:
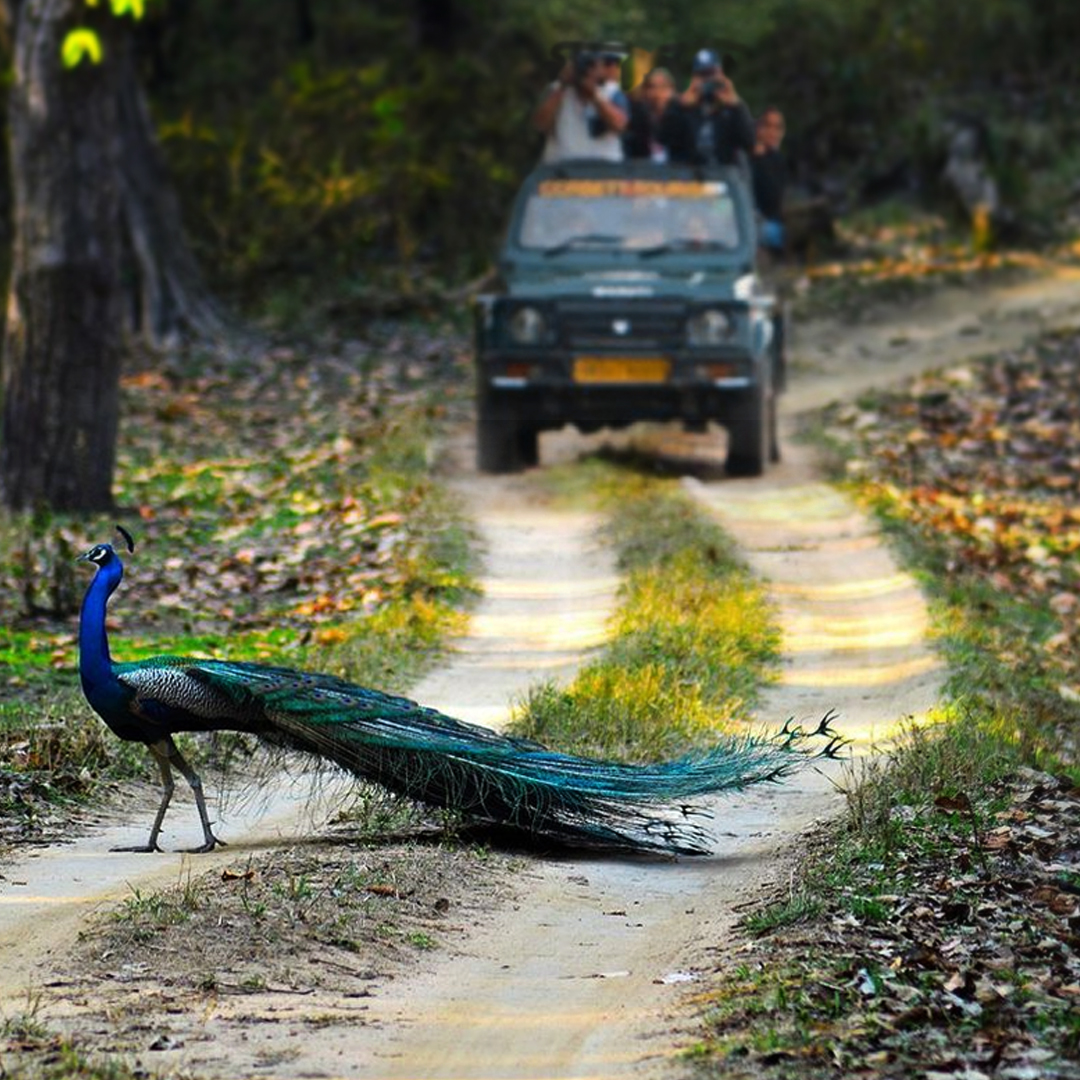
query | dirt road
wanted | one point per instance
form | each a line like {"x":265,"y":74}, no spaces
{"x":581,"y":976}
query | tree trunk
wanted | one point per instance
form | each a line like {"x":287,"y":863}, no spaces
{"x":62,"y":340}
{"x":171,"y":298}
{"x":437,"y":24}
{"x":305,"y":23}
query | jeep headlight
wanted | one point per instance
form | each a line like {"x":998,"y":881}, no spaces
{"x":708,"y":327}
{"x":527,"y":326}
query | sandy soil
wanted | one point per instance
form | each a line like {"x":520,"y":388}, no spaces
{"x":581,"y":973}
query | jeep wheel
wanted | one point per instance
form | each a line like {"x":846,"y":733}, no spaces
{"x":499,"y":441}
{"x":528,"y":441}
{"x":774,"y":431}
{"x":750,"y":431}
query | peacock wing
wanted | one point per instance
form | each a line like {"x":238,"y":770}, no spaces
{"x":171,"y":691}
{"x":308,"y":703}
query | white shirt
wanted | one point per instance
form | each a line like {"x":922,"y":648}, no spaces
{"x":569,"y":136}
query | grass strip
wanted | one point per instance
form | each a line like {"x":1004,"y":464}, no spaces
{"x":691,"y":642}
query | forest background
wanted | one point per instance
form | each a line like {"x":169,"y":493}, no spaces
{"x":321,"y":148}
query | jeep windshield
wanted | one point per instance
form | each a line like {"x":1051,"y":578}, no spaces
{"x":643,"y":216}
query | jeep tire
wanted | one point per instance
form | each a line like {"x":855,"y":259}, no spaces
{"x":502,"y":446}
{"x":751,"y":429}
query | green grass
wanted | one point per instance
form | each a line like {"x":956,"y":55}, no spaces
{"x":150,"y":912}
{"x":691,"y":642}
{"x":58,"y":1059}
{"x":799,"y":907}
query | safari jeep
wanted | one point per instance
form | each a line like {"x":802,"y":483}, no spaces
{"x":629,"y":294}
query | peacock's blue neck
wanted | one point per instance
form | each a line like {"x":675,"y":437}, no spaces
{"x":95,"y":664}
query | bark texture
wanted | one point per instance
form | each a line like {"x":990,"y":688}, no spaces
{"x":62,"y":343}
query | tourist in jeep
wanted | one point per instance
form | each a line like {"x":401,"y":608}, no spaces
{"x":577,"y":117}
{"x":611,"y":82}
{"x":708,"y":124}
{"x":768,"y":168}
{"x":647,"y":108}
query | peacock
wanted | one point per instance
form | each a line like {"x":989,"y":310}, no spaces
{"x":492,"y":778}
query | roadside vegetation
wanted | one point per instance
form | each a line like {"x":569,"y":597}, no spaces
{"x":692,"y":640}
{"x":331,"y":925}
{"x":44,"y":1056}
{"x":896,"y":252}
{"x":283,"y":510}
{"x":933,"y":931}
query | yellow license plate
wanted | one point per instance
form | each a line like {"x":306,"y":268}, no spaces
{"x":608,"y":369}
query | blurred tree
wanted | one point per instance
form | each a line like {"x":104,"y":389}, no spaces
{"x":91,"y":201}
{"x":438,"y":24}
{"x":62,"y":341}
{"x":305,"y":22}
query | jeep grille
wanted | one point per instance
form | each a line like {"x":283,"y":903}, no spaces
{"x":640,"y":326}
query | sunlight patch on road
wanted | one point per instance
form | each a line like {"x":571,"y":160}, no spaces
{"x":809,"y":632}
{"x":15,"y":901}
{"x":854,"y":626}
{"x":538,"y":589}
{"x":804,"y":506}
{"x":845,"y":590}
{"x":520,"y":659}
{"x":578,"y":628}
{"x":868,"y":676}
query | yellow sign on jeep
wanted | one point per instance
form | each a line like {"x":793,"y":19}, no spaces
{"x":631,"y":188}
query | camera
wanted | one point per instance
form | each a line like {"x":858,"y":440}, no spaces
{"x":710,"y":89}
{"x":584,"y":62}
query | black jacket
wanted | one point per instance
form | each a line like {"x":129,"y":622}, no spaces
{"x":769,"y":171}
{"x":681,"y":132}
{"x":641,"y":129}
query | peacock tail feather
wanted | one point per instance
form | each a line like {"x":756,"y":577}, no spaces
{"x":494,"y":778}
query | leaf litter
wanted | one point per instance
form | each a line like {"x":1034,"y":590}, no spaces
{"x":270,"y":494}
{"x":955,"y":952}
{"x":969,"y":968}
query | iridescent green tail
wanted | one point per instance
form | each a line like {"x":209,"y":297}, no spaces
{"x":516,"y":783}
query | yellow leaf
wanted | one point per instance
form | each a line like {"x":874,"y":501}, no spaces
{"x":78,"y":44}
{"x":135,"y":7}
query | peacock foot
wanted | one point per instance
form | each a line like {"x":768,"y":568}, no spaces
{"x":141,"y":848}
{"x":211,"y":843}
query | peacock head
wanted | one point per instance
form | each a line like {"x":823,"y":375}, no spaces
{"x":103,"y":554}
{"x":99,"y":555}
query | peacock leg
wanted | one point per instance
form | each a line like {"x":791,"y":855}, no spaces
{"x":210,"y":841}
{"x":160,"y":753}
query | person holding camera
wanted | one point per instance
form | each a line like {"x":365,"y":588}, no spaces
{"x":647,"y":108}
{"x":578,"y":116}
{"x":708,"y":124}
{"x":611,"y":81}
{"x":768,"y":167}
